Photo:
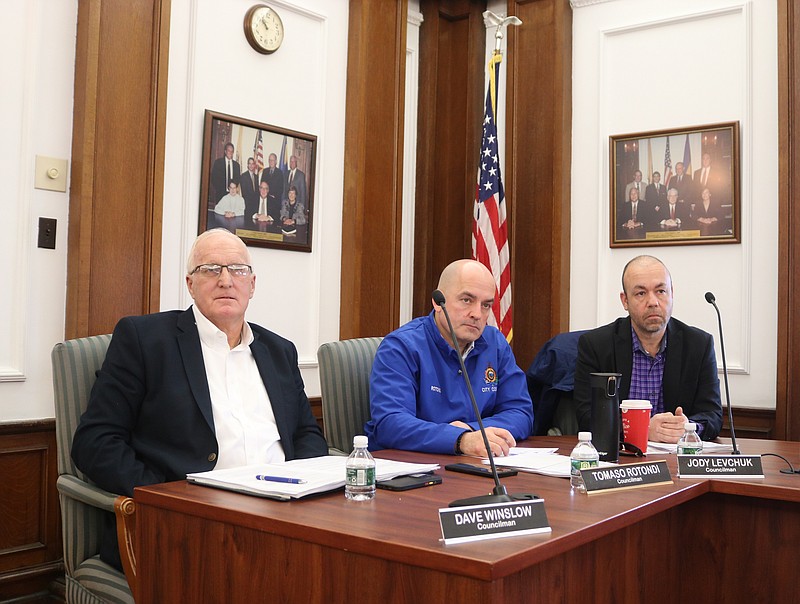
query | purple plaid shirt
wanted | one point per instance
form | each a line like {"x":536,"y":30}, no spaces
{"x":648,"y":373}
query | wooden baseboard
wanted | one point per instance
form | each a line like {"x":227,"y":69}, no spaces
{"x":750,"y":422}
{"x":30,"y":540}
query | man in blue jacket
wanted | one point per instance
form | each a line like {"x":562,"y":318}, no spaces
{"x":418,"y":399}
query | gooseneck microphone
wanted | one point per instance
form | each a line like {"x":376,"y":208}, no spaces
{"x":499,"y":493}
{"x":713,"y":301}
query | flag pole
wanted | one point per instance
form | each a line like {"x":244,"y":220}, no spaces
{"x":489,"y":229}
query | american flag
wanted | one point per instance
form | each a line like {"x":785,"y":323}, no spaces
{"x":259,"y":152}
{"x":489,"y":227}
{"x":667,"y":165}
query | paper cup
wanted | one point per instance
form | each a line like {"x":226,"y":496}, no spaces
{"x":636,"y":422}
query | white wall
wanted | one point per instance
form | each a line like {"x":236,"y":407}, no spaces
{"x":613,"y":42}
{"x":37,"y":75}
{"x":302,"y":87}
{"x":643,"y":65}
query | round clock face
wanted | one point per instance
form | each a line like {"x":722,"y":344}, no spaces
{"x":263,"y":28}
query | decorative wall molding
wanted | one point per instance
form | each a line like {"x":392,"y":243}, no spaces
{"x":192,"y":135}
{"x":576,"y":4}
{"x":415,"y":20}
{"x":14,"y":308}
{"x":605,"y":64}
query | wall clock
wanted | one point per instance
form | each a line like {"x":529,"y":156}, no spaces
{"x":263,"y":29}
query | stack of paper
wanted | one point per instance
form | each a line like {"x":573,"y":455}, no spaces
{"x":318,"y":473}
{"x":538,"y":461}
{"x":655,"y":448}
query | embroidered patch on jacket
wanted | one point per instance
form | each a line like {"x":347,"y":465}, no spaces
{"x":490,"y":375}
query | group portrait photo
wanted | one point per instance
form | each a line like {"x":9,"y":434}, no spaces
{"x":257,"y":182}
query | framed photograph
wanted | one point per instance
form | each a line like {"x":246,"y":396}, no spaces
{"x":675,"y":187}
{"x":258,"y":182}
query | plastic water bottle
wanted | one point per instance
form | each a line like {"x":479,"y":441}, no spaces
{"x":583,"y":456}
{"x":690,"y":443}
{"x":360,"y":480}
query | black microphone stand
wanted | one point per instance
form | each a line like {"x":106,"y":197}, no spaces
{"x":713,"y":301}
{"x":499,"y":493}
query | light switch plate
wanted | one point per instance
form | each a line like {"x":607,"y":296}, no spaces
{"x":51,"y":174}
{"x":47,"y":233}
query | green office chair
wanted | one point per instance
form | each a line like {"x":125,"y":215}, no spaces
{"x":88,"y":579}
{"x":344,"y":369}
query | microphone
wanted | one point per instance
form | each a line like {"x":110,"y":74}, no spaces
{"x":499,"y":493}
{"x":713,"y":301}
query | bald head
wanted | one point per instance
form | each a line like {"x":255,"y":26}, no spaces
{"x":647,"y":296}
{"x":454,"y":271}
{"x":211,"y":239}
{"x":642,"y":262}
{"x":469,"y":291}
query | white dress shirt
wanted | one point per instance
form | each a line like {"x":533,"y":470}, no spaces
{"x":244,"y":422}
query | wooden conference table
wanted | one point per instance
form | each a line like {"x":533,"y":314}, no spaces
{"x":722,"y":540}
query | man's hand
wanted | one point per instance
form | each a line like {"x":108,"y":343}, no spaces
{"x":500,"y":440}
{"x":665,"y":427}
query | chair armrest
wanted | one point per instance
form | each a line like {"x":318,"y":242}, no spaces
{"x":85,"y":493}
{"x":125,"y":510}
{"x":122,"y":507}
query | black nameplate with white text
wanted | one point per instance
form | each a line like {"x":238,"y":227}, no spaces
{"x":626,"y":476}
{"x":491,"y":521}
{"x":720,"y":466}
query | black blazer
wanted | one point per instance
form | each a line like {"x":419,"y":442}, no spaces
{"x":656,"y":198}
{"x":250,"y":193}
{"x":690,"y":371}
{"x":149,"y":416}
{"x":219,"y":179}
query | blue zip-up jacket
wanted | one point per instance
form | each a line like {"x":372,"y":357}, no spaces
{"x":416,"y":389}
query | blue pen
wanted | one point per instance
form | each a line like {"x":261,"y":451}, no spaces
{"x":281,"y":479}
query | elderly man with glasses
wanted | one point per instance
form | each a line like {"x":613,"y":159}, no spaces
{"x":195,"y":390}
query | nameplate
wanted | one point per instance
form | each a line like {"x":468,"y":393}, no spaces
{"x":720,"y":466}
{"x":492,"y":521}
{"x":627,"y":476}
{"x":259,"y":235}
{"x":671,"y":234}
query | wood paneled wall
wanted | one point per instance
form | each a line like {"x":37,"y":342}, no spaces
{"x":30,"y":522}
{"x":537,"y":100}
{"x":117,"y":178}
{"x":787,"y":409}
{"x":538,"y":162}
{"x":450,"y":108}
{"x":373,"y":169}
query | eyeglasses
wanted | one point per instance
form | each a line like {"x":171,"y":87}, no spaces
{"x":215,"y":270}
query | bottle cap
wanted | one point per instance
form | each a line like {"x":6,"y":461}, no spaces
{"x":584,"y":436}
{"x":690,"y":426}
{"x":360,"y":440}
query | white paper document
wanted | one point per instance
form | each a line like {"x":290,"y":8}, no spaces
{"x":655,"y":448}
{"x":538,"y":461}
{"x":319,"y":474}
